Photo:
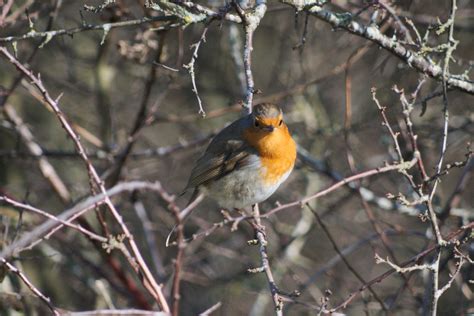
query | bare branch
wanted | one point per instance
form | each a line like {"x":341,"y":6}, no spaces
{"x":30,"y":285}
{"x":372,"y":33}
{"x":190,"y":67}
{"x":251,"y":21}
{"x":104,"y":27}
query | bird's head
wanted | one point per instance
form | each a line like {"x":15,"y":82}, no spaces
{"x":267,"y":118}
{"x":268,"y":133}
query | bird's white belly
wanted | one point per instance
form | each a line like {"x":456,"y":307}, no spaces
{"x":243,"y":188}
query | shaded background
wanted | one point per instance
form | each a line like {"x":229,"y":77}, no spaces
{"x":105,"y":86}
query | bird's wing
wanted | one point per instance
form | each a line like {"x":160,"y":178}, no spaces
{"x":221,"y":158}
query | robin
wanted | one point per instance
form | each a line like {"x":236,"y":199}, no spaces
{"x":247,"y":161}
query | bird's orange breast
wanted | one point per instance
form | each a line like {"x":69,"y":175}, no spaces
{"x":277,"y":151}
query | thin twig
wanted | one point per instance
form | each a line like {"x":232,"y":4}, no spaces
{"x":190,"y":67}
{"x":211,"y":309}
{"x":346,"y":262}
{"x":265,"y":267}
{"x":251,"y":21}
{"x":451,"y":238}
{"x":46,"y":168}
{"x":30,"y":285}
{"x":48,"y":35}
{"x":32,"y":209}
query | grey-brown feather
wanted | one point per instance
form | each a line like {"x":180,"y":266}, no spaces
{"x":225,"y":153}
{"x":266,"y":110}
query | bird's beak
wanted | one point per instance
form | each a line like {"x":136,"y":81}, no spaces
{"x":268,"y":128}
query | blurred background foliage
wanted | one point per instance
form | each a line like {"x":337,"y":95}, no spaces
{"x":104,"y":87}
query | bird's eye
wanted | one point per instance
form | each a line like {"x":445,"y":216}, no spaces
{"x":281,"y":122}
{"x":256,"y":123}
